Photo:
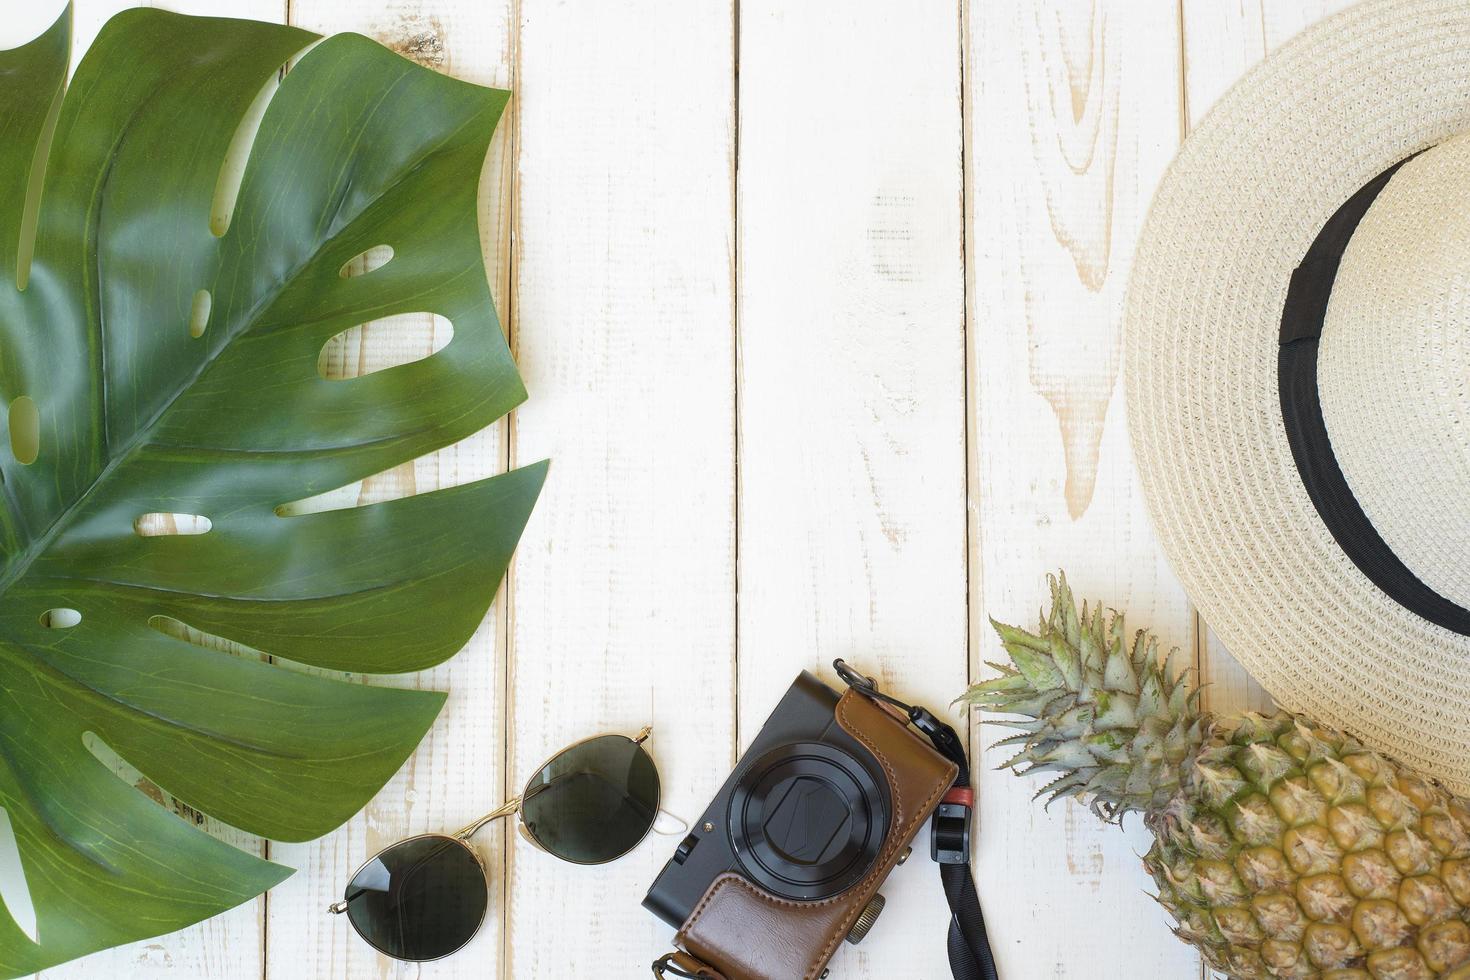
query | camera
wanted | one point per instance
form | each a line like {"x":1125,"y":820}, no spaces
{"x":804,"y":815}
{"x":786,"y":860}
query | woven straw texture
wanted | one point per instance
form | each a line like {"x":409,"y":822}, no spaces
{"x":1233,"y":216}
{"x":1394,"y":364}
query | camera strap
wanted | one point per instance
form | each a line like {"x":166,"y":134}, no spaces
{"x":970,"y":957}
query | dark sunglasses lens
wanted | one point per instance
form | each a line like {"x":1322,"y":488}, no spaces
{"x":419,"y":900}
{"x":594,"y":802}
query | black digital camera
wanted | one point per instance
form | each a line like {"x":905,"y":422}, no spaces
{"x":804,"y":815}
{"x":786,"y":862}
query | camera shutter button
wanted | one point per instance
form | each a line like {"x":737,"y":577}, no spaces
{"x":865,"y":920}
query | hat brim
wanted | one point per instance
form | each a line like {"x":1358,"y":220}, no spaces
{"x":1234,"y":214}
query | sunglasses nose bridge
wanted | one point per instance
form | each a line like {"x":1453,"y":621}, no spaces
{"x":506,"y":809}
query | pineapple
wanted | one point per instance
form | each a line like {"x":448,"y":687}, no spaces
{"x":1281,"y":848}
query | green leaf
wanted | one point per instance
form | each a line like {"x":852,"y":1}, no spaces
{"x":124,"y":392}
{"x":1014,"y":636}
{"x":1038,"y":669}
{"x":1064,"y":657}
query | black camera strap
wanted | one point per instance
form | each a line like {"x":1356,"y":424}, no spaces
{"x":949,"y":841}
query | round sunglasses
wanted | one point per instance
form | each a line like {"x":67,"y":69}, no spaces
{"x":425,"y":897}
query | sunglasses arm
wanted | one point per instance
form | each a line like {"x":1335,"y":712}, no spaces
{"x":506,"y":809}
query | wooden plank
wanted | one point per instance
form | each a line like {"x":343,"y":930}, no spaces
{"x":852,"y":461}
{"x":455,"y":775}
{"x":1222,"y":41}
{"x":1073,"y":113}
{"x":852,"y":510}
{"x":623,"y":592}
{"x":26,"y":21}
{"x":1228,"y":688}
{"x":230,"y":945}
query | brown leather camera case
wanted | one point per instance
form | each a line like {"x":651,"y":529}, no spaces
{"x":739,"y":931}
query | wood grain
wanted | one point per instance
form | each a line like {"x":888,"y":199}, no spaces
{"x":623,"y":590}
{"x":852,"y":454}
{"x":1073,"y":113}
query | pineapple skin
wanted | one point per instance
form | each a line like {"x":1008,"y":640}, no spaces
{"x":1282,"y":849}
{"x":1293,"y":851}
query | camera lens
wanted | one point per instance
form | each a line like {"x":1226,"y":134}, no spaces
{"x":807,"y":820}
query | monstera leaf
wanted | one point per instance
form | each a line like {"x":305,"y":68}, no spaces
{"x":161,"y":318}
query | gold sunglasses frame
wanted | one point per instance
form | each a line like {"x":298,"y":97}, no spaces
{"x":511,"y":807}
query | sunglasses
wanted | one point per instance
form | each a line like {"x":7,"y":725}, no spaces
{"x":425,"y":897}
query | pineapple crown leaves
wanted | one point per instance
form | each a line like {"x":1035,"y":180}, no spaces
{"x":1116,"y":723}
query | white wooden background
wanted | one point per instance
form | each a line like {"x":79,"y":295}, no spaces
{"x":818,"y":305}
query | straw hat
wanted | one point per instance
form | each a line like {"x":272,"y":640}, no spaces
{"x":1298,"y":375}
